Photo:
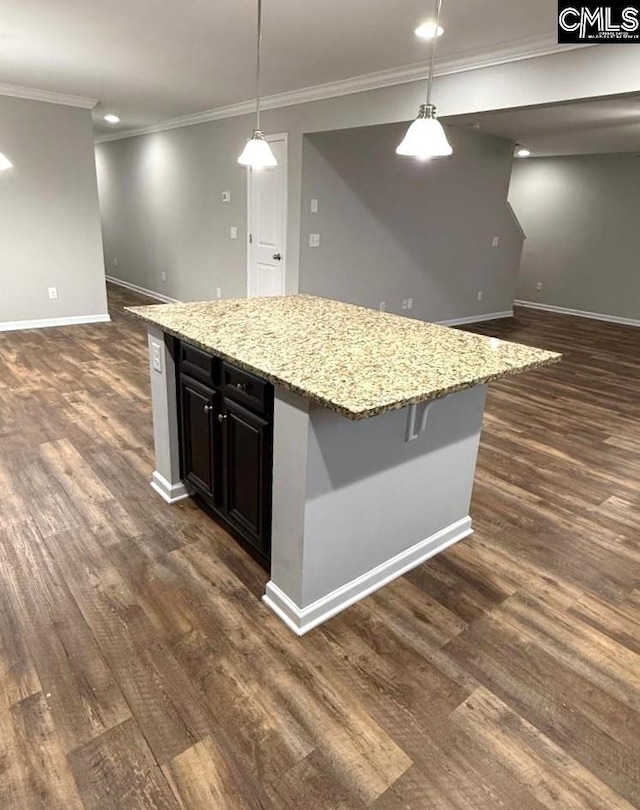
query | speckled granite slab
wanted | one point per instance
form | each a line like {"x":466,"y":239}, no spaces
{"x":355,"y":361}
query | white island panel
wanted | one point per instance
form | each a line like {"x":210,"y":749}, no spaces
{"x":356,"y":504}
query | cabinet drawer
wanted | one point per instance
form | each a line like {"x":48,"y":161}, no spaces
{"x":246,"y":389}
{"x":198,"y":364}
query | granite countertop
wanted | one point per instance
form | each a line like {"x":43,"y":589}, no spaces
{"x":358,"y":362}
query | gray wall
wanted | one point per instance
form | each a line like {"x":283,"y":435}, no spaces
{"x":160,"y":192}
{"x":49,"y":217}
{"x":393,"y":228}
{"x":580,"y":215}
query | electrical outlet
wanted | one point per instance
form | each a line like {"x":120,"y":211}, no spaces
{"x":383,"y":306}
{"x":156,"y":357}
{"x":496,"y":241}
{"x":218,"y":292}
{"x":314,"y":240}
{"x":539,"y":287}
{"x":163,"y":276}
{"x":233,"y":232}
{"x":226,"y":196}
{"x":116,"y":262}
{"x":53,"y":293}
{"x":407,"y":303}
{"x":314,"y":206}
{"x":480,"y":294}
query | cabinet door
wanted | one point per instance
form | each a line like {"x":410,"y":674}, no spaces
{"x":247,"y":473}
{"x":198,"y":436}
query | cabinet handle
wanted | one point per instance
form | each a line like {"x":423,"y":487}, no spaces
{"x":208,"y":408}
{"x":222,"y":417}
{"x":241,"y":386}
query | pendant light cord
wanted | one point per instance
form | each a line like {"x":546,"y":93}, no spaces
{"x":258,"y":64}
{"x":432,"y":68}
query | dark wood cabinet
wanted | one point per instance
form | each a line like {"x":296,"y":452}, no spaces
{"x":247,"y":473}
{"x":198,"y":436}
{"x":226,"y":429}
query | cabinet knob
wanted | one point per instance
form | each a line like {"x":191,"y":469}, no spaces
{"x":241,"y":386}
{"x":222,"y":417}
{"x":208,"y":408}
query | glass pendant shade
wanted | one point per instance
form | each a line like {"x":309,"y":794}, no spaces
{"x":5,"y":163}
{"x":257,"y":153}
{"x":426,"y":137}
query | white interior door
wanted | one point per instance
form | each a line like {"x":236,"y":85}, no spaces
{"x":267,"y":224}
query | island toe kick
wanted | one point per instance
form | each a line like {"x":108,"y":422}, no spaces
{"x":356,"y":504}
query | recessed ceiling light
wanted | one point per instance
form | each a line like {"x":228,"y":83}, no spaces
{"x":112,"y":119}
{"x":523,"y":153}
{"x":429,"y":30}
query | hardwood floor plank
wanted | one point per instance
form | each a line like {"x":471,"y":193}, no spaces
{"x":83,"y":695}
{"x":528,"y":753}
{"x":201,"y":778}
{"x":501,"y":674}
{"x":117,"y":771}
{"x":34,"y":774}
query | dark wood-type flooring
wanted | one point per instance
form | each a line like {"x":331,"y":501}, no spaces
{"x":139,"y":669}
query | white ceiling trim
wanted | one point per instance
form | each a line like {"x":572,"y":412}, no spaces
{"x":32,"y":94}
{"x":529,"y":48}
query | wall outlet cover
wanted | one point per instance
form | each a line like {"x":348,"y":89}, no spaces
{"x":233,"y":232}
{"x":116,"y":262}
{"x":539,"y":287}
{"x":156,"y":357}
{"x":53,"y":293}
{"x":314,"y":240}
{"x":314,"y":206}
{"x":226,"y":196}
{"x":495,"y":241}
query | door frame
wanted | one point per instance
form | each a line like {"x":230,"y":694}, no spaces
{"x":277,"y":136}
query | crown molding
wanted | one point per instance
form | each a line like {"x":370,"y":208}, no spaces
{"x":32,"y":94}
{"x":528,"y":48}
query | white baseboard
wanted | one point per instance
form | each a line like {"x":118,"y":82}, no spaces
{"x":46,"y":323}
{"x":489,"y":316}
{"x":301,"y":620}
{"x":578,"y":313}
{"x":171,"y":493}
{"x":143,"y":291}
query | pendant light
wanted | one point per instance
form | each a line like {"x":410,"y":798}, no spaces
{"x":5,"y":163}
{"x":257,"y":153}
{"x":426,"y":137}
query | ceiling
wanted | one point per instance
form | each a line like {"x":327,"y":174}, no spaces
{"x":149,"y":61}
{"x":580,"y":128}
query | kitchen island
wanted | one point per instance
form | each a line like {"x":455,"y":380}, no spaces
{"x":339,"y":442}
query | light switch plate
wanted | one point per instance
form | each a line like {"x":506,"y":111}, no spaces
{"x":226,"y":196}
{"x":53,"y":293}
{"x":156,"y":357}
{"x":233,"y":232}
{"x":314,"y":206}
{"x":314,"y":240}
{"x":495,"y":241}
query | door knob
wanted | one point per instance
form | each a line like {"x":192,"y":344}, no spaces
{"x":277,"y":257}
{"x":208,"y":408}
{"x":222,"y":417}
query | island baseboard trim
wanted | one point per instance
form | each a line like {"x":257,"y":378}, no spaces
{"x":171,"y":493}
{"x":301,"y":620}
